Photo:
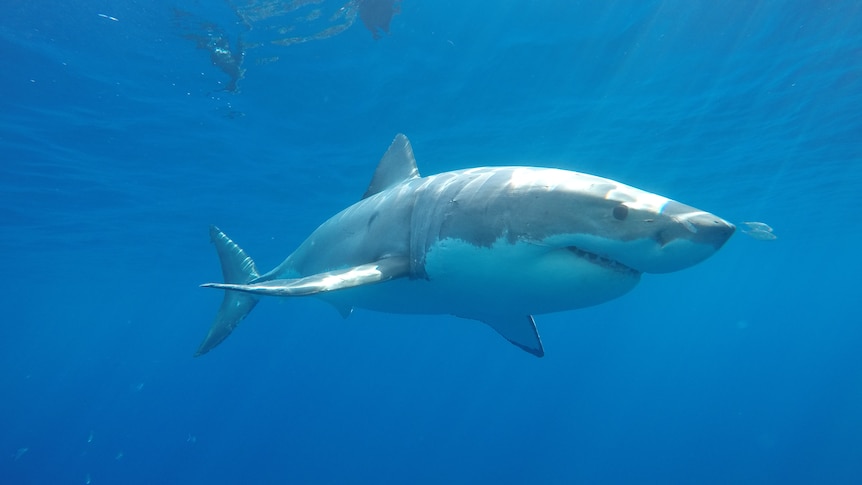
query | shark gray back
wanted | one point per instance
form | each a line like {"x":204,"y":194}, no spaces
{"x":494,"y":244}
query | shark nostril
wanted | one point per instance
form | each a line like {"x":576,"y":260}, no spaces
{"x":686,"y":224}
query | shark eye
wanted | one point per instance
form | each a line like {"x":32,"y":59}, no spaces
{"x":621,"y":212}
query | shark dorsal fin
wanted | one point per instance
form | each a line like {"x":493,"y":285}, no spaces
{"x":396,"y":166}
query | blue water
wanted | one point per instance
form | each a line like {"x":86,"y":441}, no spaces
{"x":120,"y":145}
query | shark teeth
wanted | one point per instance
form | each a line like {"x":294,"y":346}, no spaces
{"x":602,"y":261}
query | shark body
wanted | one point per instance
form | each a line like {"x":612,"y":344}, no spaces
{"x":494,"y":244}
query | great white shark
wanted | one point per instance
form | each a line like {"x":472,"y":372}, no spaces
{"x":493,"y":244}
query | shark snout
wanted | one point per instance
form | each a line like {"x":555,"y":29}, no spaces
{"x":695,"y":225}
{"x":686,"y":237}
{"x":706,"y":228}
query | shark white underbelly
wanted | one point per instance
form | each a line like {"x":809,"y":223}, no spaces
{"x":478,"y":282}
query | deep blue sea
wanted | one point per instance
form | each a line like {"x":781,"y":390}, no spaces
{"x":126,"y":129}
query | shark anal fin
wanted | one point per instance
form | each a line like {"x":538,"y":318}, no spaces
{"x":519,"y":330}
{"x":364,"y":274}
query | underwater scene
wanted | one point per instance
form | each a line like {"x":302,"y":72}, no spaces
{"x":377,"y":241}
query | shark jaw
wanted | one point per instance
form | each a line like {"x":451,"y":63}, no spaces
{"x":524,"y":277}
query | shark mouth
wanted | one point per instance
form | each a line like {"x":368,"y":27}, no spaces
{"x":603,"y":261}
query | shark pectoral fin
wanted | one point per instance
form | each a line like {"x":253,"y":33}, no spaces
{"x":364,"y":274}
{"x":519,"y":330}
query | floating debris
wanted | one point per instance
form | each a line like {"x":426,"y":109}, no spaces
{"x":377,"y":14}
{"x":279,"y":23}
{"x":224,"y":54}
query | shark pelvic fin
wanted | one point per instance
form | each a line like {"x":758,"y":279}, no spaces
{"x":365,"y":274}
{"x":396,"y":166}
{"x":519,"y":330}
{"x":343,"y":310}
{"x":237,"y":268}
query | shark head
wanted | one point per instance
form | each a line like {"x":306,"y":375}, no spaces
{"x":612,"y":222}
{"x":598,"y":219}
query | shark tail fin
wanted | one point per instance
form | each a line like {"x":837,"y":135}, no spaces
{"x":237,"y":268}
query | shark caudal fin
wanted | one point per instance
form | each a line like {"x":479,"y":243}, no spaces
{"x":237,"y":268}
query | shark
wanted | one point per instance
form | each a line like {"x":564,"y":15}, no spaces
{"x":497,"y":245}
